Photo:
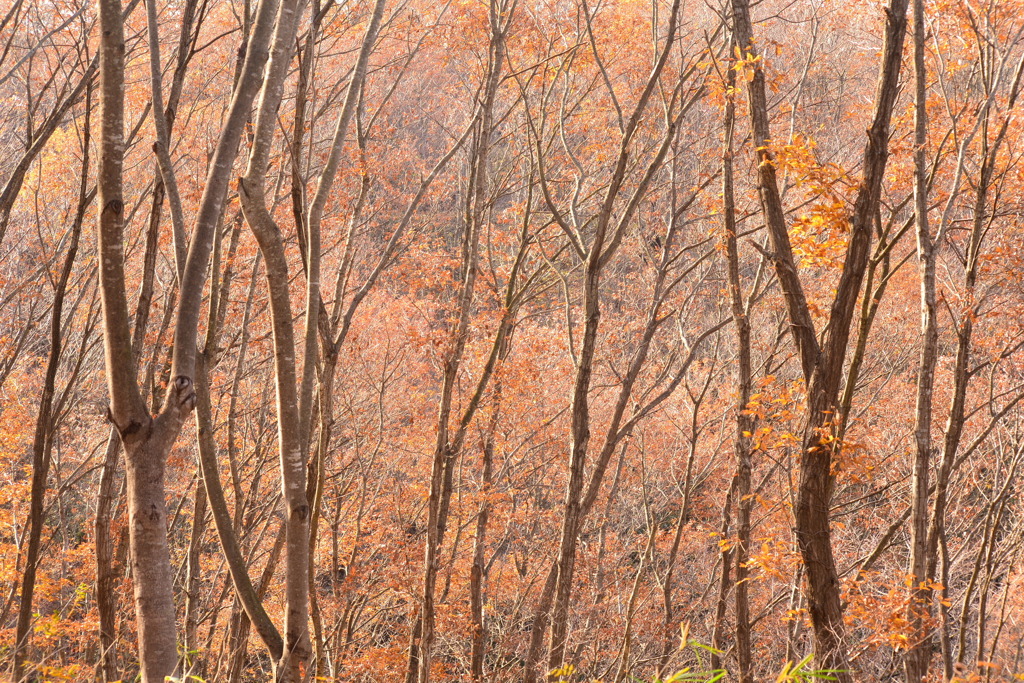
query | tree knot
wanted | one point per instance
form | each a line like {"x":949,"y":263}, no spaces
{"x":126,"y":431}
{"x":184,"y":392}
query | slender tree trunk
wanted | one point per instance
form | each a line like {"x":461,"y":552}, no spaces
{"x":478,"y":572}
{"x":726,"y":555}
{"x":106,"y":575}
{"x":625,"y":650}
{"x":580,"y":429}
{"x":42,"y":442}
{"x":192,"y":659}
{"x":16,"y":178}
{"x":919,"y":653}
{"x":955,"y":422}
{"x":448,"y":445}
{"x":744,"y":383}
{"x":603,"y":245}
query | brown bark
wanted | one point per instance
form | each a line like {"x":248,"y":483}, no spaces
{"x":744,"y":384}
{"x":42,"y":134}
{"x":727,"y":553}
{"x":823,"y":366}
{"x":193,"y":661}
{"x":604,"y":243}
{"x":448,"y":445}
{"x":918,"y":654}
{"x":478,"y":571}
{"x":106,"y":597}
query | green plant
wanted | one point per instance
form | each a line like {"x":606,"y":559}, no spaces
{"x":791,"y":673}
{"x":796,"y":673}
{"x":693,"y":673}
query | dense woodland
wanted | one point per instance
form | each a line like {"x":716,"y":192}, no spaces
{"x":511,"y":340}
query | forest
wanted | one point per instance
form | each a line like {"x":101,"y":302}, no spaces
{"x":553,"y":341}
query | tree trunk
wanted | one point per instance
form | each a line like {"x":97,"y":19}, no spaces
{"x":919,"y":652}
{"x":448,"y":445}
{"x":744,"y":384}
{"x":42,"y":442}
{"x":147,"y":440}
{"x":822,"y":366}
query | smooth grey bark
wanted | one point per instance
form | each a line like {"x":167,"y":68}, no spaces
{"x":245,"y":592}
{"x":294,"y":400}
{"x":147,"y":439}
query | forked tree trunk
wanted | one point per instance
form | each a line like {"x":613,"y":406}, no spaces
{"x":147,"y":439}
{"x":449,"y":442}
{"x":606,"y":238}
{"x":294,"y":399}
{"x":822,"y":366}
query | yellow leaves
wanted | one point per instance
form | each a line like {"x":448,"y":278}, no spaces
{"x":563,"y":672}
{"x":819,"y":237}
{"x":885,"y":610}
{"x":794,"y":614}
{"x":747,"y":64}
{"x":62,"y":673}
{"x":774,"y":559}
{"x":759,"y":437}
{"x":923,"y":585}
{"x":48,"y":626}
{"x":765,"y":154}
{"x":789,"y":672}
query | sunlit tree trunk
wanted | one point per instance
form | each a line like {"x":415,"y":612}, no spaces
{"x":919,"y":653}
{"x":822,"y":365}
{"x":147,"y":439}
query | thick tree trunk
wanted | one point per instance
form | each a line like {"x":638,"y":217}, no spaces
{"x":152,"y":575}
{"x":147,"y":440}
